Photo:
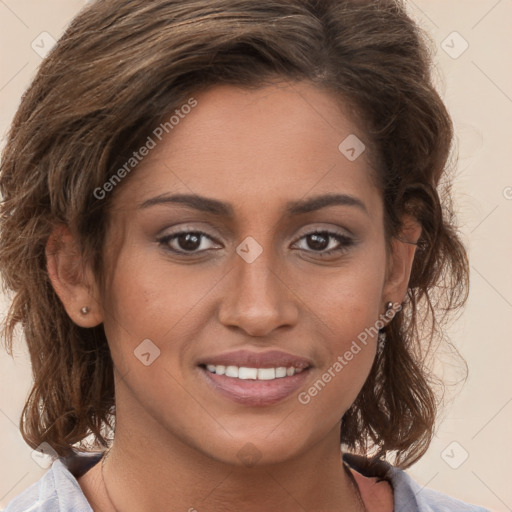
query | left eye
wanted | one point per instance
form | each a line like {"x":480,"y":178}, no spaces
{"x":186,"y":241}
{"x":326,"y":242}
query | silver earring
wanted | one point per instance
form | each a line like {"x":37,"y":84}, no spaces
{"x":84,"y":310}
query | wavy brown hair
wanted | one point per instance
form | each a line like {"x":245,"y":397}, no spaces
{"x":124,"y":64}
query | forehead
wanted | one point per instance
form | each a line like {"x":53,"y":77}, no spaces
{"x":280,"y":142}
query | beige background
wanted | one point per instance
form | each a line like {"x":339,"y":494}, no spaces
{"x":477,"y":87}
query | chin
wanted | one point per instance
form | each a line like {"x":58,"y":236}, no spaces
{"x":255,"y":449}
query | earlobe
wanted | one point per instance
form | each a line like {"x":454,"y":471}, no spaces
{"x":403,"y":252}
{"x":72,"y":281}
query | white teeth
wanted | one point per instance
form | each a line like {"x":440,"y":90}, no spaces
{"x":232,"y":371}
{"x":281,"y":372}
{"x":246,"y":373}
{"x":266,"y":373}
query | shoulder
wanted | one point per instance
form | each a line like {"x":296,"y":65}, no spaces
{"x":57,"y":490}
{"x":408,"y":495}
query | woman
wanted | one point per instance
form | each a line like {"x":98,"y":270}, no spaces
{"x":223,"y":231}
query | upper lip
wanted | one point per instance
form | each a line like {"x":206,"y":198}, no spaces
{"x":249,"y":359}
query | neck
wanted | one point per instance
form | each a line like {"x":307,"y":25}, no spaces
{"x":158,"y":478}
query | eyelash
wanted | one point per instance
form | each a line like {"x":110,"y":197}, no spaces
{"x":344,"y":241}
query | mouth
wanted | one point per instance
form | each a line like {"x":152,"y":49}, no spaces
{"x":245,"y":373}
{"x":255,"y":379}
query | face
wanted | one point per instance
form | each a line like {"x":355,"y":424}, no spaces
{"x":246,"y":239}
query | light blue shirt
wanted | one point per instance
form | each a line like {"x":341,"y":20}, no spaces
{"x":59,"y":491}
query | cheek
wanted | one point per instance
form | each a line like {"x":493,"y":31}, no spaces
{"x":348,"y":347}
{"x":346,"y":304}
{"x":156,"y":302}
{"x":348,"y":299}
{"x":149,"y":297}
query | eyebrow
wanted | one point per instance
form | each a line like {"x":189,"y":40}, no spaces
{"x":216,"y":207}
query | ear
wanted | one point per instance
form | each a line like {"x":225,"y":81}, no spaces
{"x":72,"y":280}
{"x":402,"y":257}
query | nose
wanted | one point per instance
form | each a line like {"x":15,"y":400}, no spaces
{"x":257,"y":299}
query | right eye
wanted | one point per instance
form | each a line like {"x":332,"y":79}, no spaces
{"x":186,"y":242}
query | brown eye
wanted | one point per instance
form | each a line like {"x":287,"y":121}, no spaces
{"x":189,"y":241}
{"x":325,"y":242}
{"x":318,"y":241}
{"x":192,"y":242}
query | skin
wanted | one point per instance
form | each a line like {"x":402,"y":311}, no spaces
{"x":177,"y":441}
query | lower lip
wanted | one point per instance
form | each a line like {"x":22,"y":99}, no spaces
{"x":256,"y":392}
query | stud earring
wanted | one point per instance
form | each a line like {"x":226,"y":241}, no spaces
{"x":84,"y":310}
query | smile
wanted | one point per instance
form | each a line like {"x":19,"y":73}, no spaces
{"x":244,"y":373}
